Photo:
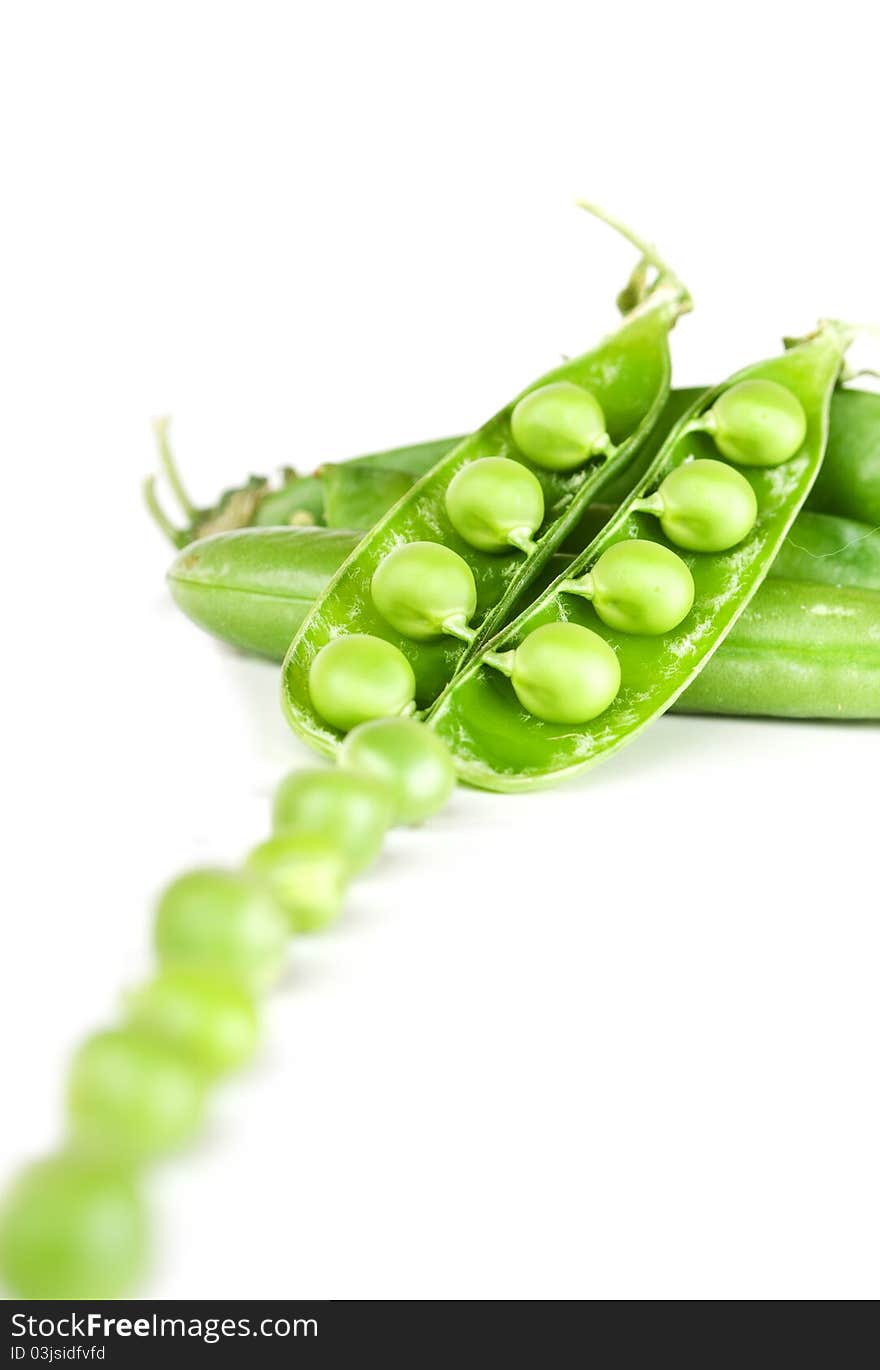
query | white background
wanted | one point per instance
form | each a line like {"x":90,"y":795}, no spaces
{"x":618,"y":1039}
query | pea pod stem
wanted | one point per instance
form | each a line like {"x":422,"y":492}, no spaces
{"x":169,"y":467}
{"x":638,"y":292}
{"x":457,"y":626}
{"x":500,"y":661}
{"x":582,"y":585}
{"x":650,"y":504}
{"x":175,"y":535}
{"x":521,"y":538}
{"x":702,"y":423}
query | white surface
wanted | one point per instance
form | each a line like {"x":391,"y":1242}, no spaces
{"x":618,"y":1039}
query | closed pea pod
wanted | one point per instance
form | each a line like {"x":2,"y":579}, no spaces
{"x":498,"y":744}
{"x":247,"y":586}
{"x":626,"y":379}
{"x":288,"y":568}
{"x":748,"y":674}
{"x":801,"y":650}
{"x":848,"y":484}
{"x":830,"y":551}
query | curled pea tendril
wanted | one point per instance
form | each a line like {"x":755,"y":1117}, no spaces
{"x":643,"y":289}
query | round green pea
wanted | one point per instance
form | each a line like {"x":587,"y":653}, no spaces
{"x":641,"y":587}
{"x":209,"y":1019}
{"x":409,"y":758}
{"x":72,"y":1229}
{"x":421,"y":587}
{"x":356,"y":677}
{"x":305,"y":875}
{"x":563,"y":673}
{"x":559,"y":426}
{"x":757,"y":423}
{"x":352,"y":812}
{"x":495,"y":504}
{"x":706,"y":506}
{"x":132,"y":1095}
{"x":221,"y":921}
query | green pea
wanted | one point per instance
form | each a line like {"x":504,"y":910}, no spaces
{"x":352,"y":812}
{"x":559,"y":426}
{"x":703,"y":506}
{"x":220,"y":921}
{"x":211,"y":1020}
{"x":424,"y":590}
{"x":756,"y":423}
{"x":638,"y":586}
{"x":306,"y":876}
{"x":356,"y":677}
{"x":409,"y":758}
{"x":495,"y":504}
{"x":132,"y":1095}
{"x":71,"y":1229}
{"x":563,"y":673}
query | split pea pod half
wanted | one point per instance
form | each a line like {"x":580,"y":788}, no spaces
{"x":537,"y":704}
{"x":441,"y":571}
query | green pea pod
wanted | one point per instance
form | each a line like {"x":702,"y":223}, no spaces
{"x":254,"y":587}
{"x":849,"y":485}
{"x":799,"y":651}
{"x":499,"y":741}
{"x":625,"y":382}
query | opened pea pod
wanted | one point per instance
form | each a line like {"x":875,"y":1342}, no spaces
{"x":442,"y":570}
{"x":611,"y":644}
